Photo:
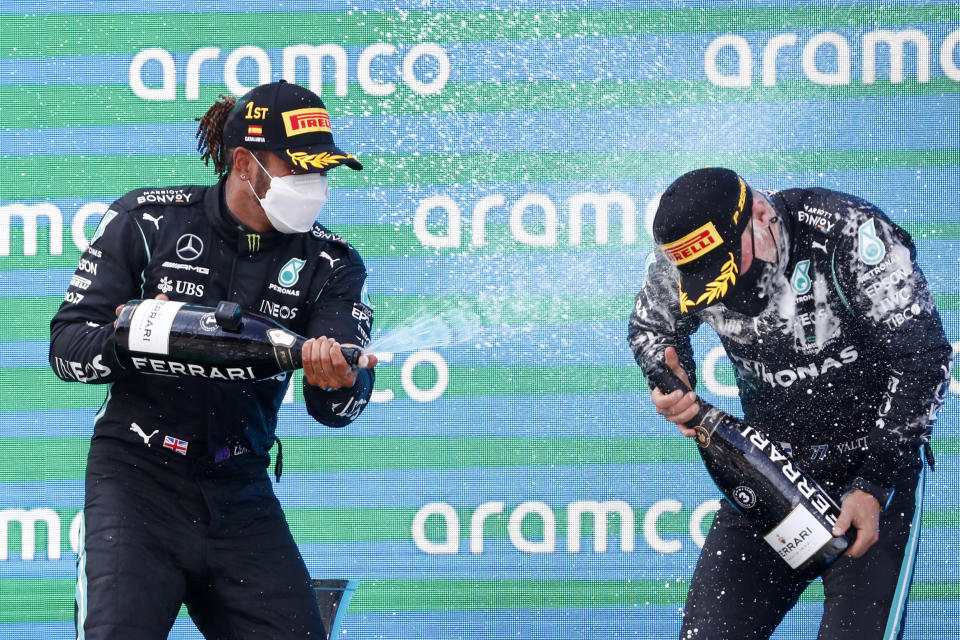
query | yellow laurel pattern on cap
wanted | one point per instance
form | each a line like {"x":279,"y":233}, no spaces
{"x":316,"y":160}
{"x":685,"y":302}
{"x":715,"y":289}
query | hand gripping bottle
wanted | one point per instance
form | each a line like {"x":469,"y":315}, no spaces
{"x":791,"y":511}
{"x":222,"y":343}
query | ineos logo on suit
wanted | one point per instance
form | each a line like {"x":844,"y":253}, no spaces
{"x":189,"y":247}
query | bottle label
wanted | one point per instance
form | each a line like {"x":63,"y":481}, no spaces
{"x":808,"y":488}
{"x":281,"y":338}
{"x":798,"y":536}
{"x":745,"y":496}
{"x":150,"y":326}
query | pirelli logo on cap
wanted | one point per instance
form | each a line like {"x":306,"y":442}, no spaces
{"x":309,"y":120}
{"x":694,"y":245}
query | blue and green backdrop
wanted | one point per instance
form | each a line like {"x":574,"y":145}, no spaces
{"x":514,"y":480}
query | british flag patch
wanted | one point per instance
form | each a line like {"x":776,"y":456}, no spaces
{"x":175,"y":444}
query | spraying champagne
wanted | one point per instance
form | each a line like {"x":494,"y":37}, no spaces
{"x":174,"y":338}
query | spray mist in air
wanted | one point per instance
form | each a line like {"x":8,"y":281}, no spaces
{"x":429,"y":331}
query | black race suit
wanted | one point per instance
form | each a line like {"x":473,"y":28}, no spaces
{"x":846,"y":367}
{"x":179,"y":506}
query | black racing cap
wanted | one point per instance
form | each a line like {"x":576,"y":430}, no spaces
{"x":289,"y":120}
{"x":698,"y":226}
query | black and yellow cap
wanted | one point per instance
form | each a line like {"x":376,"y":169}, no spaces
{"x":289,"y":120}
{"x":698,"y":226}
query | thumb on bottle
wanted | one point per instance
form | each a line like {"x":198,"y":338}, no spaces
{"x":367,"y":361}
{"x":843,"y":523}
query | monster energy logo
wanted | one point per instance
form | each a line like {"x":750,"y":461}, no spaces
{"x":253,"y":242}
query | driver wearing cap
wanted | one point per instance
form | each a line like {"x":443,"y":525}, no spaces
{"x":838,"y":354}
{"x":179,"y":507}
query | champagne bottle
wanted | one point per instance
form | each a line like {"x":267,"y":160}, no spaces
{"x":791,"y":511}
{"x":222,"y":343}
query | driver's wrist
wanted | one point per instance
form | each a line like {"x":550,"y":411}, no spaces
{"x":881,"y":494}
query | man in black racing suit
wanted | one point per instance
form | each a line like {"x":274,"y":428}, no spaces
{"x":179,"y":507}
{"x":838,"y":353}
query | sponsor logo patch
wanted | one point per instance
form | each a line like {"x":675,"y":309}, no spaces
{"x":869,"y":247}
{"x":140,"y":432}
{"x":284,"y":290}
{"x":322,"y":234}
{"x":277,"y":310}
{"x":164,"y":196}
{"x":326,"y":256}
{"x":190,"y":288}
{"x":89,"y":266}
{"x":817,"y":218}
{"x":290,"y":272}
{"x":155,"y":221}
{"x":189,"y":247}
{"x":800,"y":281}
{"x":185,"y":267}
{"x":80,"y":282}
{"x":309,"y":120}
{"x":694,"y":245}
{"x":83,"y":372}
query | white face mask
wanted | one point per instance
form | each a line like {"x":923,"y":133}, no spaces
{"x":292,"y":203}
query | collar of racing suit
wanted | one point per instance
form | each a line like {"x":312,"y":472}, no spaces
{"x":785,"y":229}
{"x":245,"y":239}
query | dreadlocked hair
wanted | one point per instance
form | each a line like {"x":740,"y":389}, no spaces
{"x":210,"y":134}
